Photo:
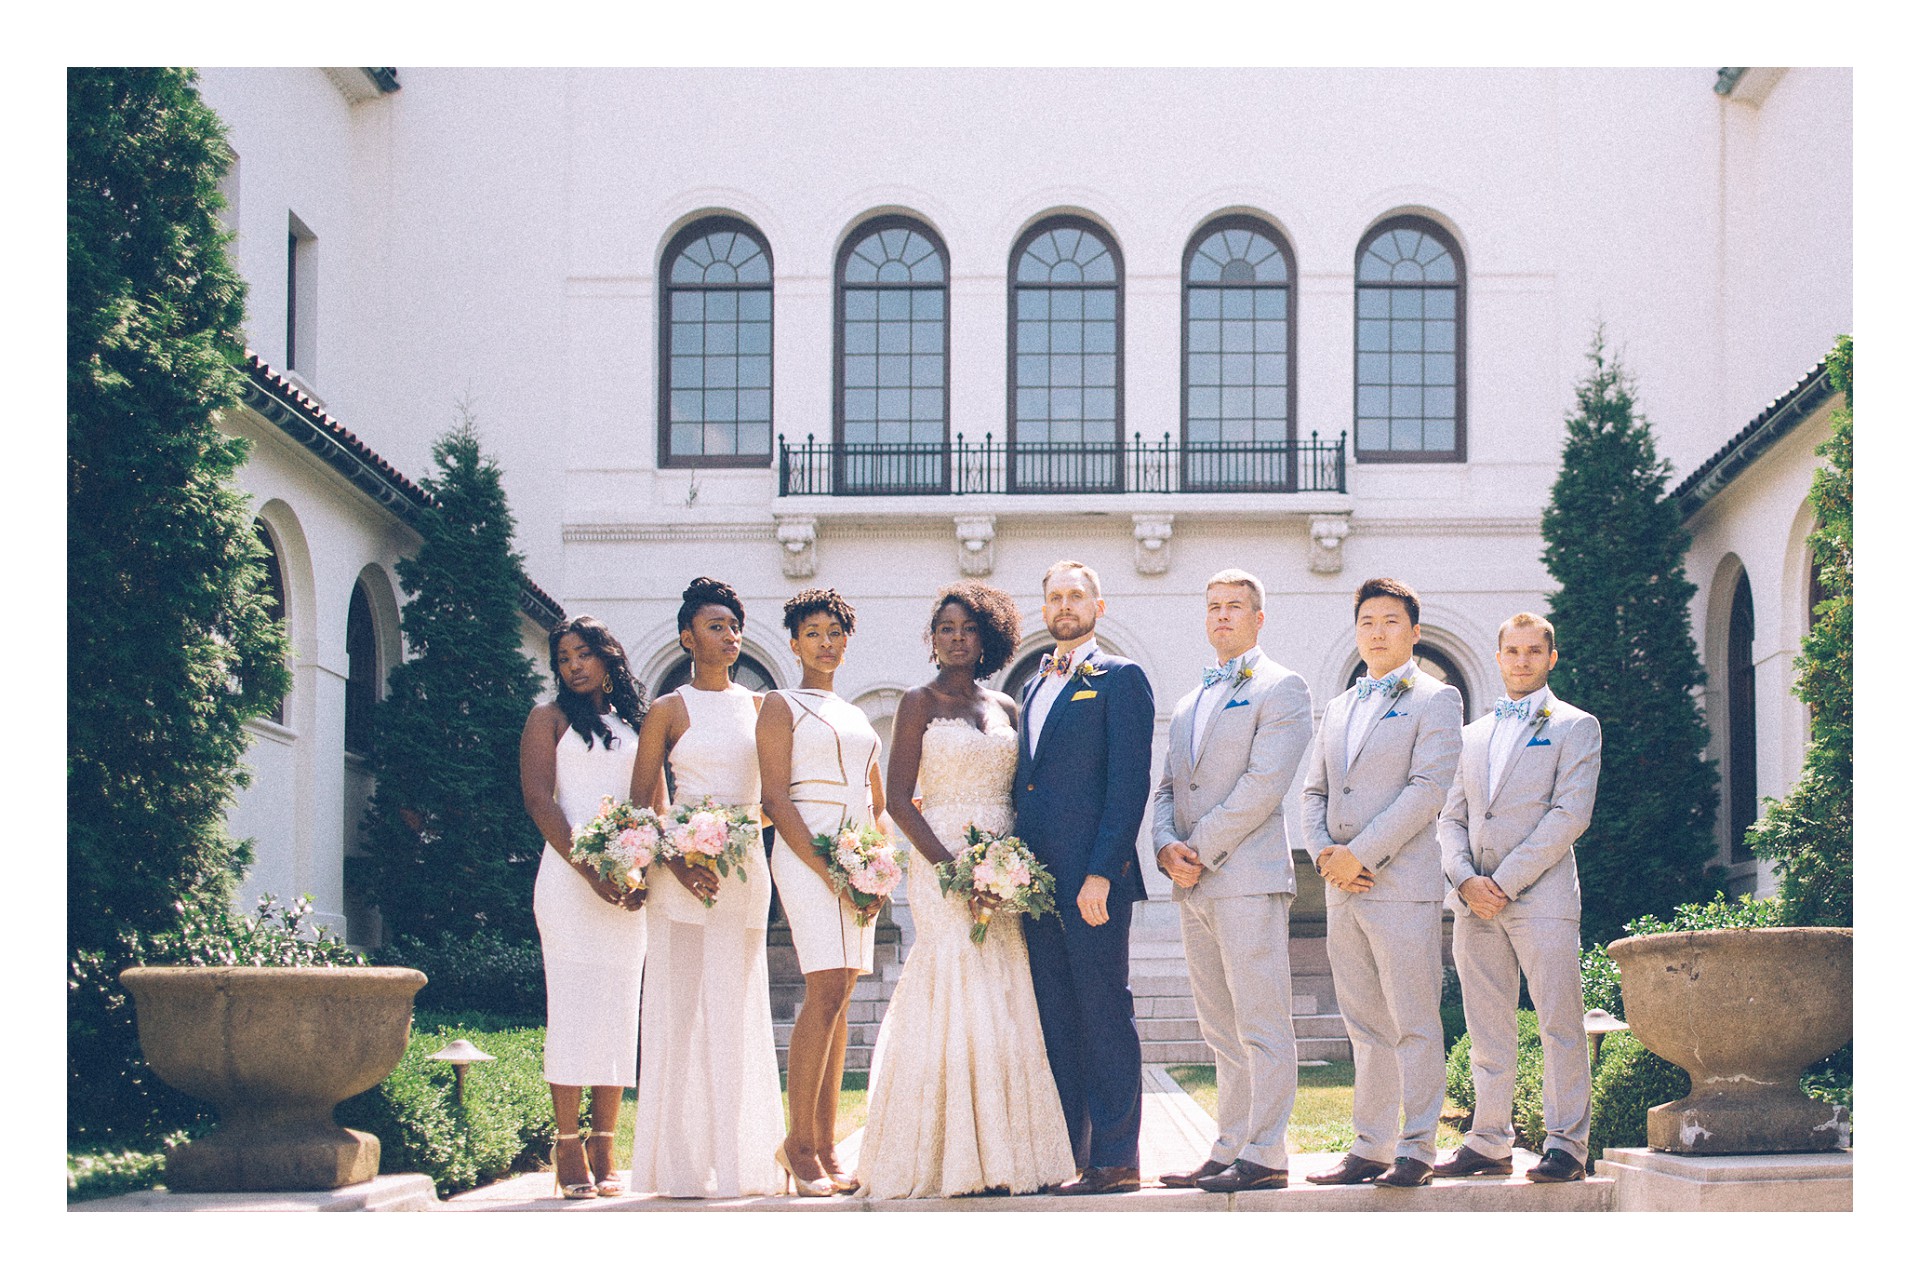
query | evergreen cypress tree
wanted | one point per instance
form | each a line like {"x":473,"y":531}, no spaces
{"x":170,"y":647}
{"x":1809,"y":834}
{"x":452,"y":850}
{"x":1615,"y":545}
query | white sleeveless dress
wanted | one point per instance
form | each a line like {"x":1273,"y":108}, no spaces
{"x":708,"y":1113}
{"x":961,"y":1097}
{"x":592,"y":950}
{"x":834,"y":748}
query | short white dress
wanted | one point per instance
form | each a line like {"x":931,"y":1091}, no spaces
{"x":834,"y":748}
{"x":592,"y":950}
{"x":708,"y":1112}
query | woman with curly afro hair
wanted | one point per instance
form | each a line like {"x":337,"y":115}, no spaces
{"x":819,"y":771}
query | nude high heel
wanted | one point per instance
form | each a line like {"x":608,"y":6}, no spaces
{"x":606,"y":1179}
{"x":796,"y":1184}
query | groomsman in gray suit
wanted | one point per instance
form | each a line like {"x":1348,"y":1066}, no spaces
{"x":1221,"y":831}
{"x":1380,"y":772}
{"x":1524,"y":793}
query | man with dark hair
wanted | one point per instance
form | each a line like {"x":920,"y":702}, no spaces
{"x":1516,"y":902}
{"x":1379,"y":772}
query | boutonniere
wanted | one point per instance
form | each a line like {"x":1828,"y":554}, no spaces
{"x":1245,"y":674}
{"x":1542,"y":715}
{"x":1404,"y":683}
{"x":1087,"y":670}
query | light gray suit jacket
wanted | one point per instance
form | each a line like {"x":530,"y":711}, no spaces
{"x":1521,"y":830}
{"x":1384,"y":806}
{"x":1229,"y":805}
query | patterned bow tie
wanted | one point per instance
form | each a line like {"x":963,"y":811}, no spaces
{"x":1365,"y":687}
{"x":1505,"y":707}
{"x":1211,"y":675}
{"x":1060,"y":664}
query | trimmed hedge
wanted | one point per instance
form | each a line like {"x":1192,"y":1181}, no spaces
{"x":1631,"y":1081}
{"x":1529,"y":1129}
{"x":486,"y":973}
{"x":96,"y":1174}
{"x":507,"y":1125}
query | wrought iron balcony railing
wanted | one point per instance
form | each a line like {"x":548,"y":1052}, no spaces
{"x":818,"y":468}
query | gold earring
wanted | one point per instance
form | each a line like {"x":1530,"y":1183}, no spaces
{"x":606,"y":684}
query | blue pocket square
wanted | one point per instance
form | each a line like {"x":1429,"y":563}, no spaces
{"x":1394,"y":715}
{"x":1230,"y":705}
{"x":1541,"y":741}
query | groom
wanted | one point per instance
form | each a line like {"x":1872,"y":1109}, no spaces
{"x":1086,"y":744}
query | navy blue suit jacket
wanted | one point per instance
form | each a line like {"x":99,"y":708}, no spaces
{"x":1079,"y":799}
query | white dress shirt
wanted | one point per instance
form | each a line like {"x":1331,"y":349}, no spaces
{"x":1368,"y":711}
{"x":1509,"y":733}
{"x":1049,"y":692}
{"x":1212,"y":699}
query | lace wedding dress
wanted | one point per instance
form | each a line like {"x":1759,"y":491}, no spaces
{"x":961,"y":1098}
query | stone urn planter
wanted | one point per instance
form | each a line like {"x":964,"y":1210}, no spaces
{"x":274,"y":1050}
{"x":1744,"y":1011}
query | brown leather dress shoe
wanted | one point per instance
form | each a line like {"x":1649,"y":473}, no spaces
{"x":1185,"y":1180}
{"x":1350,"y":1171}
{"x":1407,"y":1172}
{"x":1557,"y":1165}
{"x":1102,"y":1181}
{"x":1468,"y":1162}
{"x":1245,"y":1175}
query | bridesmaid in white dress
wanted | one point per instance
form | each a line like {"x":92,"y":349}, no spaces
{"x":962,"y":1099}
{"x":575,"y":751}
{"x":707,"y":1117}
{"x":819,"y":768}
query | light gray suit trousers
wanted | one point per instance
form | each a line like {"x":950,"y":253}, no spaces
{"x":1520,"y":830}
{"x":1228,"y":806}
{"x":1384,"y":944}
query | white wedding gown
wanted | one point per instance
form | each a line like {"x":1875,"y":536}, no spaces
{"x":960,"y":1097}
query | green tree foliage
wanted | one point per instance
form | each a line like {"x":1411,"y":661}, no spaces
{"x":1615,"y":545}
{"x":1809,"y":834}
{"x":452,"y":850}
{"x":170,"y":647}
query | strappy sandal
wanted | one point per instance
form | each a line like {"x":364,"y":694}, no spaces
{"x":570,"y":1190}
{"x":606,"y":1178}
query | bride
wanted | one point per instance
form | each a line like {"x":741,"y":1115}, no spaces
{"x":961,"y":1098}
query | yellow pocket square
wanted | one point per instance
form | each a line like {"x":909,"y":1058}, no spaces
{"x":1083,"y":694}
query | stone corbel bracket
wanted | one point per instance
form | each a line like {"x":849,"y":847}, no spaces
{"x":797,"y":538}
{"x":1325,"y":536}
{"x":1152,"y":544}
{"x":974,"y":533}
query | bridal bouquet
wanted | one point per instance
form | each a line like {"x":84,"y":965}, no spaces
{"x":619,"y":843}
{"x":997,"y":873}
{"x":862,"y":863}
{"x":718,"y":836}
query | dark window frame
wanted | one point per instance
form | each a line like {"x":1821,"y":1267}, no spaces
{"x":362,"y":694}
{"x":856,"y":237}
{"x":1427,"y":226}
{"x":277,"y":608}
{"x":1087,"y":225}
{"x":698,"y":229}
{"x":1743,"y":737}
{"x":1261,"y":227}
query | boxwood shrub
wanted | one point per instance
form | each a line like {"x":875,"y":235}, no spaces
{"x":507,"y":1125}
{"x":484,"y":973}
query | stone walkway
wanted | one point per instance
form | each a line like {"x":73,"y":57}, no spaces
{"x":1175,"y":1136}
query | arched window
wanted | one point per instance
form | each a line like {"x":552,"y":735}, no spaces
{"x":1437,"y":664}
{"x":1237,"y":375}
{"x":716,"y":347}
{"x":1023,"y":670}
{"x":1064,"y":413}
{"x":747,"y":673}
{"x":363,"y":671}
{"x":890,"y":382}
{"x":1410,"y":358}
{"x":276,"y":592}
{"x":1743,"y":780}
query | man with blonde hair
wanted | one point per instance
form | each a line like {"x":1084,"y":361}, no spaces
{"x":1524,"y":793}
{"x":1220,"y":828}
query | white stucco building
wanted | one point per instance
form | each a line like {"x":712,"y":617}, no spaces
{"x":1318,"y":324}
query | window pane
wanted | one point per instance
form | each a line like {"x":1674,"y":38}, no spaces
{"x":755,"y":305}
{"x":1270,"y":304}
{"x":756,"y":370}
{"x":929,"y":304}
{"x":1097,"y":304}
{"x":861,"y":304}
{"x":929,"y":370}
{"x":1373,"y":335}
{"x":861,"y":339}
{"x":1373,"y":304}
{"x":894,"y":338}
{"x":1203,"y":304}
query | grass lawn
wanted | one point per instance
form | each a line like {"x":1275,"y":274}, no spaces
{"x":853,"y":1111}
{"x":1322,"y":1109}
